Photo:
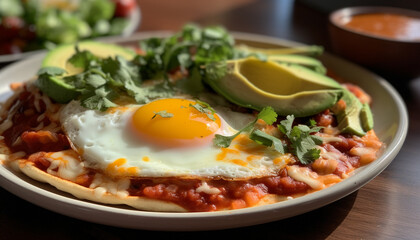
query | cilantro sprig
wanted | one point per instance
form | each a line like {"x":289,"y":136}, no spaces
{"x":297,"y":140}
{"x":267,"y":114}
{"x":205,"y":108}
{"x":302,"y":142}
{"x":101,"y":82}
{"x":163,"y":114}
{"x":187,"y":51}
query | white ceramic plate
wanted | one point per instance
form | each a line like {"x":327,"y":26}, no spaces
{"x":390,"y":128}
{"x":134,"y":22}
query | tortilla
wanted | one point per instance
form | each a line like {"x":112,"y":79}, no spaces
{"x":85,"y":193}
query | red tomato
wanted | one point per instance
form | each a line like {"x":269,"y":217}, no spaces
{"x":10,"y":27}
{"x":28,"y":33}
{"x":123,"y":8}
{"x":9,"y":48}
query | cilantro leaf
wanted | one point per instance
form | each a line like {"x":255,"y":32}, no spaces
{"x":187,"y":51}
{"x":82,"y":59}
{"x":95,"y":80}
{"x":97,"y":102}
{"x":204,"y":108}
{"x":267,"y":140}
{"x":193,"y":84}
{"x":310,"y":155}
{"x":225,"y":141}
{"x":52,"y":71}
{"x":285,"y":126}
{"x":161,"y":90}
{"x":163,"y":114}
{"x":302,"y":142}
{"x":268,"y":115}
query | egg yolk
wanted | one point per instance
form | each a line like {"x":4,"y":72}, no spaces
{"x":174,"y":123}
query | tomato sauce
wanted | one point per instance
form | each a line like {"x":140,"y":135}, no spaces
{"x":231,"y":194}
{"x":25,"y":119}
{"x":388,"y":25}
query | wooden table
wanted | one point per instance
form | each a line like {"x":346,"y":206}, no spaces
{"x":388,"y":207}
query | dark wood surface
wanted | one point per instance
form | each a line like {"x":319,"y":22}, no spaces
{"x":388,"y":207}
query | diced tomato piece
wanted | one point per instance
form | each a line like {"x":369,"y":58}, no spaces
{"x":44,"y":141}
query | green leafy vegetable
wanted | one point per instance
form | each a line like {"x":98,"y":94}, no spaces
{"x":266,"y":114}
{"x":267,"y":140}
{"x":101,"y":83}
{"x":204,"y":108}
{"x":52,"y":71}
{"x":302,"y":142}
{"x":82,"y":59}
{"x":163,"y":114}
{"x":188,"y":51}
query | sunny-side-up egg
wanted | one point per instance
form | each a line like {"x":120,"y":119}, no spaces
{"x":134,"y":140}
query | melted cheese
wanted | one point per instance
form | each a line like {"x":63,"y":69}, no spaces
{"x":328,"y":139}
{"x":204,"y":187}
{"x":10,"y":108}
{"x":305,"y":175}
{"x":102,"y":185}
{"x":366,"y":154}
{"x":65,"y":165}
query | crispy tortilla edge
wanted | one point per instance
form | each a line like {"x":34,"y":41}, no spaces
{"x":81,"y":192}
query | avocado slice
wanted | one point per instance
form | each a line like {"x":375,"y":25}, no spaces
{"x":58,"y":56}
{"x":305,"y":61}
{"x":288,"y":88}
{"x":366,"y":117}
{"x":55,"y":67}
{"x":56,"y":88}
{"x":353,"y":117}
{"x":302,"y":50}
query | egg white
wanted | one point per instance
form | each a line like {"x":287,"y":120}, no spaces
{"x":103,"y":137}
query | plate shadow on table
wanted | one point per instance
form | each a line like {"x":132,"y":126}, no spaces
{"x":44,"y":224}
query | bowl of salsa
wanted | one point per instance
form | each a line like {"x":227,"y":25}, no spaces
{"x":384,"y":39}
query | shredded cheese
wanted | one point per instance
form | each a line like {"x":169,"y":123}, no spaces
{"x":65,"y":165}
{"x":102,"y":185}
{"x":366,"y":154}
{"x":204,"y":187}
{"x":305,"y":175}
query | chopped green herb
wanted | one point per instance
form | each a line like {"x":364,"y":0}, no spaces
{"x":52,"y":71}
{"x":267,"y":140}
{"x":204,"y":108}
{"x":82,"y":59}
{"x":266,"y":114}
{"x":302,"y":142}
{"x":163,"y":114}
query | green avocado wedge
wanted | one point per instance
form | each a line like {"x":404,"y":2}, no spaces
{"x":288,"y":88}
{"x":56,"y":88}
{"x":302,"y":60}
{"x":59,"y":56}
{"x":56,"y":68}
{"x":353,"y":117}
{"x":302,"y":50}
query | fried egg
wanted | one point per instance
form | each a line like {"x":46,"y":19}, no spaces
{"x":140,"y":141}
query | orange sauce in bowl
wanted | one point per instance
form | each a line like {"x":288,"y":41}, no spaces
{"x":386,"y":25}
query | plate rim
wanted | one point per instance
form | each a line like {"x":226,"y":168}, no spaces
{"x":215,"y":220}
